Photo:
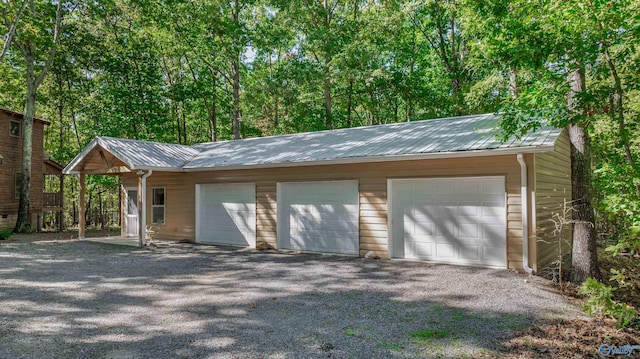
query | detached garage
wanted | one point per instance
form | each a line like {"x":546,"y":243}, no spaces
{"x":443,"y":190}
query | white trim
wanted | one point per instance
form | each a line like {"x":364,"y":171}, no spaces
{"x":197,"y":204}
{"x":143,"y":228}
{"x":390,"y":252}
{"x":126,"y":210}
{"x":524,"y":208}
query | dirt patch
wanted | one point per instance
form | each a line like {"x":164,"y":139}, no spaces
{"x":569,"y":338}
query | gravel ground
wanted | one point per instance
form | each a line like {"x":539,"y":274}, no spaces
{"x":78,"y":299}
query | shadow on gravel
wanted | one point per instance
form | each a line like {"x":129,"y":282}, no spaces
{"x":81,"y":299}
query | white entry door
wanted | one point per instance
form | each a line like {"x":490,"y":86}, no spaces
{"x":226,"y":214}
{"x":449,"y":220}
{"x":131,"y":212}
{"x":318,"y":216}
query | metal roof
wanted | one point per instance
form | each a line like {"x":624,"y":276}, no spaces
{"x":462,"y":136}
{"x":446,"y":137}
{"x":137,"y":154}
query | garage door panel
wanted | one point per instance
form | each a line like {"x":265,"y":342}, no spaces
{"x":445,"y":251}
{"x":470,"y":252}
{"x":226,"y":214}
{"x":492,"y":209}
{"x":469,"y":231}
{"x":468,"y":187}
{"x":422,"y":250}
{"x":493,"y":186}
{"x":319,"y":216}
{"x":453,"y":220}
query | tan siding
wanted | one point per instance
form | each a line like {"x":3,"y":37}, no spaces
{"x":266,"y":224}
{"x":372,"y":177}
{"x":552,"y":188}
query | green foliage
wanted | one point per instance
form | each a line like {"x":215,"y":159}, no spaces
{"x":598,"y":302}
{"x":5,"y":235}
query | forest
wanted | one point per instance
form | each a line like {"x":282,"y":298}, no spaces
{"x":184,"y":71}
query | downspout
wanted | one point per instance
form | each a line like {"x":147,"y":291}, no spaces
{"x":143,"y":228}
{"x":525,"y":214}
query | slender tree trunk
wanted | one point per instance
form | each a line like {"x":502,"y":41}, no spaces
{"x":584,"y":260}
{"x":236,"y":73}
{"x":23,"y":222}
{"x":328,"y":106}
{"x":276,"y":118}
{"x":513,"y":82}
{"x":8,"y":38}
{"x":236,"y":97}
{"x":184,"y":124}
{"x":349,"y":103}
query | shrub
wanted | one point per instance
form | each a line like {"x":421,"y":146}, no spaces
{"x":5,"y":235}
{"x":599,"y":302}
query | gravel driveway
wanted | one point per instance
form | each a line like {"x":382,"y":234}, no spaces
{"x":80,"y":299}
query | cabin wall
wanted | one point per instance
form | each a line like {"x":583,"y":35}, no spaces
{"x":11,"y":151}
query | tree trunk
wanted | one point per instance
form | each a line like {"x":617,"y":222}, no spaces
{"x":236,"y":74}
{"x":236,"y":97}
{"x":328,"y":108}
{"x":513,"y":82}
{"x":584,"y":259}
{"x":23,"y":224}
{"x":349,"y":103}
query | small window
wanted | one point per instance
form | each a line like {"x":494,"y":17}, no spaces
{"x":157,"y":206}
{"x":17,"y":181}
{"x":15,"y":128}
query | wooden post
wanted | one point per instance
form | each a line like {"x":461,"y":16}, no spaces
{"x":123,"y":207}
{"x":61,"y":214}
{"x":81,"y":220}
{"x":140,"y":216}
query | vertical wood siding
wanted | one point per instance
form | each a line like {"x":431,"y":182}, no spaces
{"x":372,"y":177}
{"x":552,"y":188}
{"x":11,"y":150}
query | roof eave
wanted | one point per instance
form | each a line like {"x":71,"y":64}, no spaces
{"x":385,"y":158}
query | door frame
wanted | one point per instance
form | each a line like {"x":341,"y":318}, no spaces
{"x":126,"y":212}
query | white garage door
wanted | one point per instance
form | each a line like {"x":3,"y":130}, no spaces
{"x":450,"y":220}
{"x":226,"y":214}
{"x":318,"y":216}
